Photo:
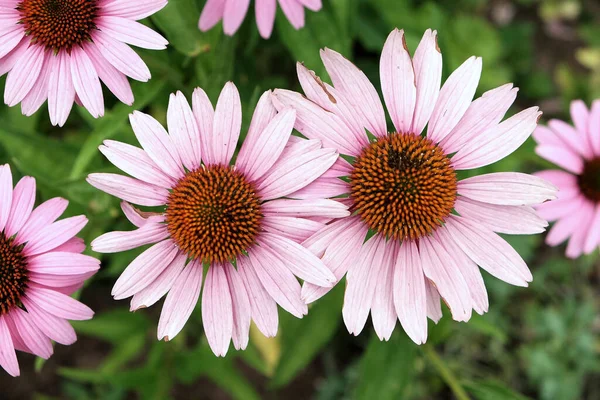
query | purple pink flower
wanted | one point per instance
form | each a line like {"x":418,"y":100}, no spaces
{"x":577,"y":151}
{"x":430,"y":229}
{"x":60,"y":50}
{"x":243,"y":220}
{"x":233,"y":12}
{"x":40,"y":266}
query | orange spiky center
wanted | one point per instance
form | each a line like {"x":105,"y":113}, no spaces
{"x":13,"y":274}
{"x":403,"y":186}
{"x":213,"y":213}
{"x":59,"y":24}
{"x":589,"y":180}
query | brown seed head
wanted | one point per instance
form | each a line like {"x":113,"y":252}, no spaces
{"x":589,"y":180}
{"x":13,"y":274}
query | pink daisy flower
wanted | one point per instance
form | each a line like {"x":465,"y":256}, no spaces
{"x":60,"y":50}
{"x":577,"y":151}
{"x":40,"y":266}
{"x":233,"y":12}
{"x":242,"y":220}
{"x":430,"y":229}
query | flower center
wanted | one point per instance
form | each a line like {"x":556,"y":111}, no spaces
{"x":589,"y":180}
{"x":58,"y":24}
{"x":13,"y":274}
{"x":403,"y":186}
{"x":213,"y":213}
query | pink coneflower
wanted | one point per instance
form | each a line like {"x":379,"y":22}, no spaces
{"x":40,"y":266}
{"x":430,"y":229}
{"x":577,"y":150}
{"x":251,"y":214}
{"x":233,"y":12}
{"x":60,"y":50}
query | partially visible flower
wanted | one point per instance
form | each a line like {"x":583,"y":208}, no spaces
{"x":243,"y":220}
{"x":233,"y":12}
{"x":431,"y":230}
{"x":59,"y":50}
{"x":577,"y":151}
{"x":40,"y":266}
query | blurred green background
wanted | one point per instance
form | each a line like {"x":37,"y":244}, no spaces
{"x":540,"y":342}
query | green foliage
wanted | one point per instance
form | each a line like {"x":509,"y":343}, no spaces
{"x":539,"y":342}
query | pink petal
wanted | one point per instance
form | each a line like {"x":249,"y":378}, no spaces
{"x":264,"y":308}
{"x":115,"y":242}
{"x":573,"y":139}
{"x":136,"y":162}
{"x":562,"y":207}
{"x":383,"y":312}
{"x":59,"y":282}
{"x":507,"y":188}
{"x":6,"y":194}
{"x":132,"y":9}
{"x":62,"y":263}
{"x":513,"y":220}
{"x":86,"y":82}
{"x":43,"y":215}
{"x":322,"y":188}
{"x":580,"y":116}
{"x":15,"y":54}
{"x":398,"y":81}
{"x":305,"y":208}
{"x":129,"y":189}
{"x":61,"y":92}
{"x":184,"y":131}
{"x":410,"y":295}
{"x":144,"y":269}
{"x":434,"y":307}
{"x":298,"y":259}
{"x":362,"y":283}
{"x":483,"y":113}
{"x":242,"y":311}
{"x":23,"y":198}
{"x":131,"y":32}
{"x":265,"y":16}
{"x":204,"y":113}
{"x":226,"y":125}
{"x":181,"y":301}
{"x":296,"y":229}
{"x":139,"y":218}
{"x":427,"y":63}
{"x":316,"y":123}
{"x":293,"y":11}
{"x":592,"y":238}
{"x":341,"y":254}
{"x":217,"y":310}
{"x":53,"y":235}
{"x":576,"y":244}
{"x":561,"y":156}
{"x":160,"y":286}
{"x":489,"y":251}
{"x":9,"y":40}
{"x":261,"y":150}
{"x":73,"y":245}
{"x":8,"y":356}
{"x":23,"y":75}
{"x":359,"y":90}
{"x":498,"y":142}
{"x":157,"y":143}
{"x":277,"y":280}
{"x":594,"y":127}
{"x":33,"y":339}
{"x":233,"y":15}
{"x":442,"y":270}
{"x":115,"y":80}
{"x":57,"y":329}
{"x":212,"y":13}
{"x":121,"y":56}
{"x":564,"y":227}
{"x":58,"y":304}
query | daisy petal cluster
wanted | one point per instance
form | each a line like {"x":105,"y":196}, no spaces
{"x":40,"y":266}
{"x":233,"y":12}
{"x":431,"y":232}
{"x":575,"y":149}
{"x":60,"y":50}
{"x":243,"y":221}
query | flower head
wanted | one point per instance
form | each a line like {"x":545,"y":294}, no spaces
{"x":577,"y":151}
{"x":59,"y":50}
{"x":40,"y":266}
{"x":233,"y":12}
{"x":243,"y":220}
{"x":430,"y":230}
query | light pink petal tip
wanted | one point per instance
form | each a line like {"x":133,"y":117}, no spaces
{"x":217,"y":310}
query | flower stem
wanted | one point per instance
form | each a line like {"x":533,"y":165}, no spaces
{"x":446,"y":374}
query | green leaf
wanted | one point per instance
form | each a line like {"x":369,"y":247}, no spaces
{"x":304,"y":338}
{"x":179,"y":21}
{"x":386,"y":368}
{"x":113,"y":326}
{"x":492,"y":390}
